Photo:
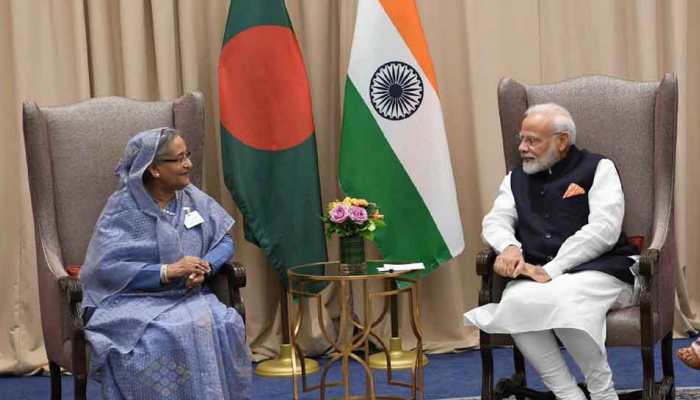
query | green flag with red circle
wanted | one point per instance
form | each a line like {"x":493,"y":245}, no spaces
{"x":268,"y":143}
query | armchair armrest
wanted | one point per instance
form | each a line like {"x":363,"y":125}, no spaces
{"x":71,"y":289}
{"x":657,"y":264}
{"x":227,"y":283}
{"x":72,"y":295}
{"x":484,"y":261}
{"x":492,"y":285}
{"x":72,"y":324}
{"x":657,"y":281}
{"x":236,"y":274}
{"x":647,"y":262}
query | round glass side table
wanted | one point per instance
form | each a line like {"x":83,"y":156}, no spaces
{"x":305,"y":283}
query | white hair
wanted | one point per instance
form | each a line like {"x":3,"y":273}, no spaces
{"x":560,"y":118}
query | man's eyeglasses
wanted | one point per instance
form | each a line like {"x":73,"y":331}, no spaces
{"x":180,"y":159}
{"x":531,"y":141}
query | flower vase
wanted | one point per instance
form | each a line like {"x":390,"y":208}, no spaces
{"x":352,"y":255}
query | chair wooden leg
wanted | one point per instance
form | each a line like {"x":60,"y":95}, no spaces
{"x":80,"y":384}
{"x":79,"y":347}
{"x":55,"y":371}
{"x":520,"y":375}
{"x":648,"y":371}
{"x":668,"y":382}
{"x":486,"y":368}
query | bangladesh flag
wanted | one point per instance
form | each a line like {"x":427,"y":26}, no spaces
{"x":267,"y":134}
{"x":394,"y":148}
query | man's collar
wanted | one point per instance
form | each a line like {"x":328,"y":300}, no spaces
{"x":561,"y":165}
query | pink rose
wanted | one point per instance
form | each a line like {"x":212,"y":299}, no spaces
{"x":339,"y":213}
{"x":358,"y":215}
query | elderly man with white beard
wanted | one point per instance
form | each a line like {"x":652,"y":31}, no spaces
{"x":556,"y":225}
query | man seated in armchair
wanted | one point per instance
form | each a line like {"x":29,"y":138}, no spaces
{"x":556,"y":225}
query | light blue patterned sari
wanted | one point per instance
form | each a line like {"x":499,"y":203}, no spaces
{"x":168,"y":343}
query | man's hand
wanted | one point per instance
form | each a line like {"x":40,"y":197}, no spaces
{"x":510,"y":262}
{"x":536,"y":273}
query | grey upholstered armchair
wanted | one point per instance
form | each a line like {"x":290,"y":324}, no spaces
{"x":71,"y":154}
{"x":634,"y":124}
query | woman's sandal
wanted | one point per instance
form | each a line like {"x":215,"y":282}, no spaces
{"x":690,"y":355}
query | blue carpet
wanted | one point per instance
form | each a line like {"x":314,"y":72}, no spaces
{"x":447,"y":376}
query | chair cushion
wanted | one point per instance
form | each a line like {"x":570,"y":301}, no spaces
{"x":623,"y":327}
{"x":622,"y":324}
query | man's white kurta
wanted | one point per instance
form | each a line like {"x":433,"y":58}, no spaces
{"x":579,"y":300}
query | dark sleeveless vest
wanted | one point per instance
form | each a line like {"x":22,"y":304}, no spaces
{"x":546,"y":219}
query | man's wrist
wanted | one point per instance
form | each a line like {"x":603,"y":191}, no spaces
{"x":552,"y":269}
{"x":506,"y":246}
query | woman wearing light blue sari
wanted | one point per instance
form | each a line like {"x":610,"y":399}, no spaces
{"x":155,"y":332}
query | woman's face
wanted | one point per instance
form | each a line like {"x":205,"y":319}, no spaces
{"x":172,"y":171}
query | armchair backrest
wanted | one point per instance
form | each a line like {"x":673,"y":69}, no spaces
{"x":632,"y":123}
{"x":72,"y":151}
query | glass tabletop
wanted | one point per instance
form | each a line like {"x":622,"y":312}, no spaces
{"x":334,"y":270}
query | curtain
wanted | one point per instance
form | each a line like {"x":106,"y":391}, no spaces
{"x":63,"y":51}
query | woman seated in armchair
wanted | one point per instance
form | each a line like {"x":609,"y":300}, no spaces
{"x":155,"y":332}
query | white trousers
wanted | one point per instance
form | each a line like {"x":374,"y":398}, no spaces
{"x":542,"y":351}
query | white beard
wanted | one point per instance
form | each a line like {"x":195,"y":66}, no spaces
{"x":546,"y":161}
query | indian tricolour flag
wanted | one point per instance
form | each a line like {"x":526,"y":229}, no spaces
{"x":394,"y":148}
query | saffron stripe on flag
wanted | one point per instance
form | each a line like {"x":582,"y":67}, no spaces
{"x":404,"y":16}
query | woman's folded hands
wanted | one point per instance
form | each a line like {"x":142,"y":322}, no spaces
{"x":194,"y":269}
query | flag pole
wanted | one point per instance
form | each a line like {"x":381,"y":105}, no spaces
{"x":282,"y":365}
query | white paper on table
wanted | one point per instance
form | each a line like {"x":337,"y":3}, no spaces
{"x":401,"y":267}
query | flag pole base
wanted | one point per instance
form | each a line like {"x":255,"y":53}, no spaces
{"x":399,"y":359}
{"x":282,"y":365}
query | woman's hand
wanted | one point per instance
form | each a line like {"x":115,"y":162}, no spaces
{"x":193,"y":280}
{"x":187,"y":266}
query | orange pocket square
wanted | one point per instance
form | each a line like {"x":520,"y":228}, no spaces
{"x":573,"y":190}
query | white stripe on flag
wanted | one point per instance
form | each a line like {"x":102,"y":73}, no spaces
{"x":419,"y":141}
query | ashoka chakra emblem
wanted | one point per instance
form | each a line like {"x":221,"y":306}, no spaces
{"x":396,"y":90}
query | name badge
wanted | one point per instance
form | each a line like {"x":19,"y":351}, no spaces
{"x":193,"y":219}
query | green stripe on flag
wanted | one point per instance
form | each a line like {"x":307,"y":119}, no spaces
{"x":369,"y":169}
{"x":278,"y":194}
{"x":244,"y":14}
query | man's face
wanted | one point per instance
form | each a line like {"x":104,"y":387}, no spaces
{"x":539,"y":147}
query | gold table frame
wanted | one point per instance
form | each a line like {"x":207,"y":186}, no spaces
{"x":347,"y":342}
